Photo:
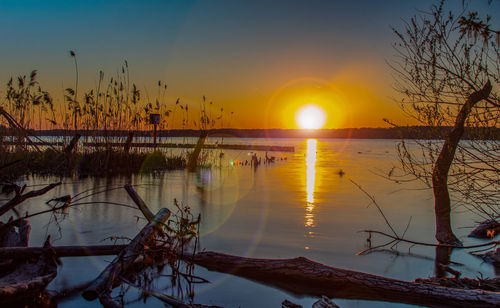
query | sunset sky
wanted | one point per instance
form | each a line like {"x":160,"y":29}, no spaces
{"x":261,"y":59}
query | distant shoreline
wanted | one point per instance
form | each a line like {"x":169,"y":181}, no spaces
{"x":407,"y":132}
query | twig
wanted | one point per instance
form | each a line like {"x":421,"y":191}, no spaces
{"x":378,"y":207}
{"x":399,"y":239}
{"x":19,"y":198}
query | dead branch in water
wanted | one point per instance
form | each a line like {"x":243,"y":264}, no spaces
{"x":139,"y":202}
{"x":126,"y":257}
{"x":20,"y":197}
{"x":492,"y":244}
{"x":395,"y":238}
{"x":305,"y":277}
{"x":61,"y":251}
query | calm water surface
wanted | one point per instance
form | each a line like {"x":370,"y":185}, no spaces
{"x":300,"y":206}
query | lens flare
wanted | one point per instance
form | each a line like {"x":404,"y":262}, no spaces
{"x":310,"y":117}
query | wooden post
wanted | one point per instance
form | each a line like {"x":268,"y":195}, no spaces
{"x":122,"y":262}
{"x":154,"y":118}
{"x":128,"y":143}
{"x":72,"y":144}
{"x":193,"y":158}
{"x":155,"y":136}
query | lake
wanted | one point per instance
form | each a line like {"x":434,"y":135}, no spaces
{"x":298,"y":206}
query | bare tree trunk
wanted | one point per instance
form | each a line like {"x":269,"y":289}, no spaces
{"x":442,"y":207}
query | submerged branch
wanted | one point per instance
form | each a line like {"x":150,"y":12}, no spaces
{"x":19,"y":198}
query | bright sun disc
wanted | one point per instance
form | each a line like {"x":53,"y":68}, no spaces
{"x":310,"y":117}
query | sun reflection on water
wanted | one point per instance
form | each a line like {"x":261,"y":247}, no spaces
{"x":310,"y":180}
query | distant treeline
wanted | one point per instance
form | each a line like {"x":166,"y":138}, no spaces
{"x":407,"y":132}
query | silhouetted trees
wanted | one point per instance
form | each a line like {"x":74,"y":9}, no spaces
{"x":447,"y":69}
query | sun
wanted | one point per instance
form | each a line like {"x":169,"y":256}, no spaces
{"x":310,"y":117}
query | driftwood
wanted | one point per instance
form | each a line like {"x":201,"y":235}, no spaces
{"x":107,"y":302}
{"x":487,"y":229}
{"x":128,"y":142}
{"x":13,"y":235}
{"x":16,"y":234}
{"x":193,"y":157}
{"x":174,"y":302}
{"x":139,"y":202}
{"x":29,"y":279}
{"x":306,"y":277}
{"x":288,"y":304}
{"x":487,"y":284}
{"x":22,"y":131}
{"x":324,"y":302}
{"x":125,"y":258}
{"x":19,"y":197}
{"x":61,"y":251}
{"x":72,"y":144}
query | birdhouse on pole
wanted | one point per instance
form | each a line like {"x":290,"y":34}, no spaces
{"x":154,"y":118}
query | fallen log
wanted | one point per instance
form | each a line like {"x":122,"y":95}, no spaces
{"x":139,"y":202}
{"x":130,"y":137}
{"x":193,"y":157}
{"x":19,"y":198}
{"x":305,"y":277}
{"x":104,"y":282}
{"x":61,"y":251}
{"x":107,"y":302}
{"x":28,"y":279}
{"x":72,"y":144}
{"x":486,"y":229}
{"x":15,"y":234}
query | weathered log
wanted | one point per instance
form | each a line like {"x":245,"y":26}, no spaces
{"x":306,"y":277}
{"x":193,"y":157}
{"x":13,"y":235}
{"x":486,"y":229}
{"x":487,"y":284}
{"x":128,"y":142}
{"x":107,"y":302}
{"x":288,"y":304}
{"x":19,"y":198}
{"x":16,"y":234}
{"x":126,"y":257}
{"x":174,"y":302}
{"x":29,"y":278}
{"x":61,"y":251}
{"x":22,"y":131}
{"x":324,"y":302}
{"x":492,"y":257}
{"x":139,"y":202}
{"x":72,"y":144}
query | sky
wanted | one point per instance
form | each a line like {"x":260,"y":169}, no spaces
{"x":262,"y":60}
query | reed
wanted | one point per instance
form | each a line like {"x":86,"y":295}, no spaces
{"x":113,"y":105}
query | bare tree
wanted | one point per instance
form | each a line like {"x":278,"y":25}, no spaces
{"x":445,"y":65}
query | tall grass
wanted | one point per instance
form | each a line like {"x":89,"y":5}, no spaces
{"x":114,"y":104}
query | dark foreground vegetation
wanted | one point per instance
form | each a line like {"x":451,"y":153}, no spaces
{"x":95,"y":163}
{"x":406,"y":132}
